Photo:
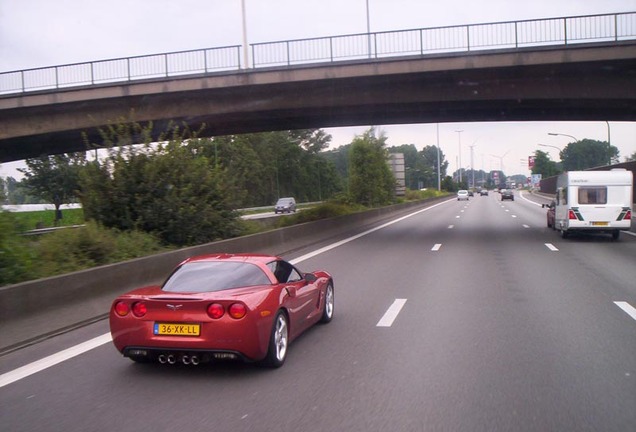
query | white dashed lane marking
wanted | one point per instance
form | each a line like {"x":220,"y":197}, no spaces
{"x":391,"y":313}
{"x":629,"y":309}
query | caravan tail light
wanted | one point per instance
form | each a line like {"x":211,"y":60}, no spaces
{"x":628,"y":215}
{"x":571,"y":215}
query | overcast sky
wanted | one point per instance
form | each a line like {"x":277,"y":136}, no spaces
{"x":37,"y":33}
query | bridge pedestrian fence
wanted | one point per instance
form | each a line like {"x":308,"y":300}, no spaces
{"x":608,"y":28}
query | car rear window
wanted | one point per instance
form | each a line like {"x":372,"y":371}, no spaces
{"x":214,"y":276}
{"x":593,"y":195}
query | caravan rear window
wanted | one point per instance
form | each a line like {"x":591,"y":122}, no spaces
{"x":593,"y":195}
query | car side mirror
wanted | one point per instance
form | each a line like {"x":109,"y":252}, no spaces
{"x":310,"y":277}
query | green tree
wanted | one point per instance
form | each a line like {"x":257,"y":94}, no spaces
{"x":3,"y":193}
{"x":544,"y":166}
{"x":371,"y":182}
{"x":54,"y":178}
{"x":449,"y":185}
{"x":168,"y":189}
{"x":428,"y":165}
{"x":420,"y":166}
{"x":588,"y":154}
{"x":265,"y":166}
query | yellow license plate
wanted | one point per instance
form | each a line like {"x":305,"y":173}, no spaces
{"x":166,"y":329}
{"x":600,"y":223}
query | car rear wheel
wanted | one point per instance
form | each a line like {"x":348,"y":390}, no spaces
{"x":278,"y":342}
{"x":327,"y":312}
{"x":616,"y":234}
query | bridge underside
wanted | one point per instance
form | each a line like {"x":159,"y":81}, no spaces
{"x":581,"y":83}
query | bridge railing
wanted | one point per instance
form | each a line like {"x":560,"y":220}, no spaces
{"x":474,"y":37}
{"x":364,"y":46}
{"x":123,"y":69}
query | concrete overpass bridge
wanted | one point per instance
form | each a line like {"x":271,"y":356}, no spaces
{"x":572,"y":68}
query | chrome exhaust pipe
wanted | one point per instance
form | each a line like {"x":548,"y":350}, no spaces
{"x":185,"y":359}
{"x":163,"y":359}
{"x":194,"y":360}
{"x":172,"y":359}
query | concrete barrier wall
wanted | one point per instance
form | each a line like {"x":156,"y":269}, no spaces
{"x":32,"y":309}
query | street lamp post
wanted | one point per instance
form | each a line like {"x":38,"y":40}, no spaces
{"x":555,"y":147}
{"x":439,"y":174}
{"x":472,"y":165}
{"x":560,"y":134}
{"x":245,"y":50}
{"x":459,"y":164}
{"x":609,"y":145}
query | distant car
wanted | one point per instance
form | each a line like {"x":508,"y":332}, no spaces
{"x":221,"y":307}
{"x":462,"y":195}
{"x":471,"y":193}
{"x":285,"y":205}
{"x":550,"y":214}
{"x":507,"y":194}
{"x":483,"y":192}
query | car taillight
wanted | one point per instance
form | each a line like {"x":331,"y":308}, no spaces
{"x":237,"y":310}
{"x":216,"y":311}
{"x":139,"y":309}
{"x":121,"y":308}
{"x":628,"y":215}
{"x":571,"y":215}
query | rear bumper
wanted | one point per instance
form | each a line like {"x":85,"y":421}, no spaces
{"x":183,"y":356}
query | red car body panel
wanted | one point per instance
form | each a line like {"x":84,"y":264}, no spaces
{"x":248,"y":337}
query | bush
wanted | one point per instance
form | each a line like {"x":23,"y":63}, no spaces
{"x":324,"y":211}
{"x":16,"y":258}
{"x":414,"y":195}
{"x":76,"y":249}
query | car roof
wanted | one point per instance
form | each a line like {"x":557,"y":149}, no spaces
{"x":241,"y":257}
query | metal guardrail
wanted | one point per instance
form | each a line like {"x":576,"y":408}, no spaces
{"x":364,"y":46}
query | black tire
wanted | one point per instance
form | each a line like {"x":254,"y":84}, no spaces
{"x":564,"y":234}
{"x":278,"y":342}
{"x":615,"y":235}
{"x":327,"y":311}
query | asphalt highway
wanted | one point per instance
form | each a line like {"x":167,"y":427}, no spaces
{"x":467,"y":316}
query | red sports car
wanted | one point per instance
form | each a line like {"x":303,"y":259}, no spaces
{"x":218,"y":307}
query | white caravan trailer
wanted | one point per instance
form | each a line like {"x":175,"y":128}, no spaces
{"x":594,"y":201}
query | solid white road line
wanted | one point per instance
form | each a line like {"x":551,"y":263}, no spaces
{"x":629,"y":309}
{"x":436,"y":247}
{"x":521,"y":195}
{"x":551,"y":247}
{"x":526,"y":226}
{"x":53,"y":359}
{"x":391,"y":313}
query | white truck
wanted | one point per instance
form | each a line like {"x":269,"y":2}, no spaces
{"x":594,"y":201}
